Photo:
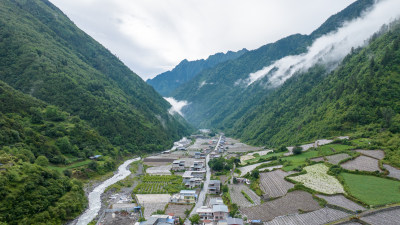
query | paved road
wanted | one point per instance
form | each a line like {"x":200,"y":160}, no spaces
{"x":202,"y":196}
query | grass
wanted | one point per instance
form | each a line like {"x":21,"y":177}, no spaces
{"x":70,"y":166}
{"x":372,"y":190}
{"x":327,"y":149}
{"x":247,"y":197}
{"x":278,"y":154}
{"x":298,"y":160}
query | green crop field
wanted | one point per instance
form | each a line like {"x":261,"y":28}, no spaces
{"x":71,"y":166}
{"x":277,"y":154}
{"x":372,"y":190}
{"x":333,"y":149}
{"x":159,"y":185}
{"x":298,"y":160}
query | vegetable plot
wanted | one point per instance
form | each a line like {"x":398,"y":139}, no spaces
{"x":317,"y":179}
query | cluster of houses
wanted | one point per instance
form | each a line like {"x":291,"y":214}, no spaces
{"x":217,"y":213}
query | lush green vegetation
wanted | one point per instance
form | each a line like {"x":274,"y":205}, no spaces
{"x":361,"y":97}
{"x":167,"y":82}
{"x":295,"y":161}
{"x":263,"y":158}
{"x":371,"y":190}
{"x":223,"y":165}
{"x":247,"y":197}
{"x":221,"y":103}
{"x":44,"y":54}
{"x":32,"y":194}
{"x":159,"y":185}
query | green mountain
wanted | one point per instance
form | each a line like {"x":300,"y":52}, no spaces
{"x":42,"y":53}
{"x":166,"y":83}
{"x":362,"y":97}
{"x":211,"y":105}
{"x":32,"y":134}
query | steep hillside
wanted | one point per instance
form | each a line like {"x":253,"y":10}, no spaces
{"x":361,"y":96}
{"x":32,"y":134}
{"x":167,"y":82}
{"x":44,"y":54}
{"x":220,"y":97}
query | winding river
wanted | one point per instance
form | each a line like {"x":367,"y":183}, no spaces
{"x":94,"y":196}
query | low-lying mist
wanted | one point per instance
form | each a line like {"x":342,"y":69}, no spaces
{"x":177,"y":106}
{"x":329,"y":49}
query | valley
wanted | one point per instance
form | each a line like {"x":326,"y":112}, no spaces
{"x":301,"y":130}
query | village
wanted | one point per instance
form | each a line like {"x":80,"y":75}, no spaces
{"x":215,"y":180}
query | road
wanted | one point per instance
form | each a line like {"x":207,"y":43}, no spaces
{"x":202,"y":196}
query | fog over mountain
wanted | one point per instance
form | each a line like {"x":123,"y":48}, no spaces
{"x":331,"y":48}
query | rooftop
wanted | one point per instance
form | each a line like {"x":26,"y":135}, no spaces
{"x":188,"y":192}
{"x":220,"y":208}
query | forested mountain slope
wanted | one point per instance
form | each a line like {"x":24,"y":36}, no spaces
{"x":361,"y":96}
{"x":166,"y":83}
{"x":33,"y":133}
{"x":221,"y":98}
{"x":44,"y":54}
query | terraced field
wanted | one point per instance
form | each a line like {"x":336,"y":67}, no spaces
{"x":322,"y":216}
{"x":377,"y":154}
{"x":335,"y":159}
{"x":246,"y":169}
{"x":393,"y":172}
{"x":237,"y":197}
{"x":317,"y":179}
{"x":159,"y":185}
{"x":362,"y":163}
{"x":273,"y":183}
{"x":372,"y":190}
{"x":340,"y":200}
{"x":289,"y":204}
{"x":387,"y":217}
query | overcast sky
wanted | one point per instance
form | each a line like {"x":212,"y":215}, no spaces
{"x":153,"y":36}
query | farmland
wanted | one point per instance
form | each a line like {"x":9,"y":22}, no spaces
{"x":237,"y":197}
{"x":390,"y":216}
{"x":377,"y":154}
{"x":393,"y":172}
{"x":321,"y":216}
{"x":335,"y":159}
{"x":252,"y":157}
{"x":288,"y":204}
{"x":340,"y":200}
{"x":273,"y":183}
{"x":317,"y":179}
{"x":298,"y":160}
{"x":372,"y":190}
{"x":159,"y":170}
{"x":245,"y":169}
{"x":178,"y":209}
{"x":362,"y":163}
{"x":159,"y":185}
{"x":152,"y":202}
{"x":333,"y":149}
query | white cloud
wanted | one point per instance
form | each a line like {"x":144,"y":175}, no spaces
{"x":331,"y":48}
{"x":177,"y":106}
{"x":152,"y":36}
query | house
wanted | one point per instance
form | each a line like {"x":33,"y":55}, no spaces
{"x":95,"y":157}
{"x":215,"y":201}
{"x":182,"y":148}
{"x":159,"y":220}
{"x":214,"y":187}
{"x":188,"y":196}
{"x":193,"y":182}
{"x":178,"y":165}
{"x":197,"y":166}
{"x":205,"y":213}
{"x":187,"y":175}
{"x":197,"y":155}
{"x":220,"y":212}
{"x":203,"y":154}
{"x":166,"y":152}
{"x":234,"y":221}
{"x":199,"y":174}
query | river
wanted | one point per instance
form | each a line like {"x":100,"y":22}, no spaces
{"x":95,"y":196}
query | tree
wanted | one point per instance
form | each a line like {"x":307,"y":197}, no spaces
{"x":42,"y":161}
{"x":297,"y":150}
{"x":255,"y":174}
{"x":195,"y":219}
{"x":187,"y":212}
